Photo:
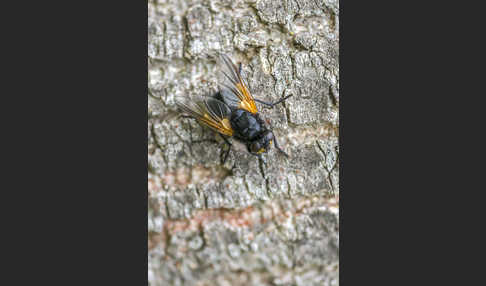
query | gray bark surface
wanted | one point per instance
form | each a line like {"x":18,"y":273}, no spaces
{"x":244,"y":223}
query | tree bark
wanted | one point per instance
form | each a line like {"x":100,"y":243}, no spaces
{"x":244,"y":222}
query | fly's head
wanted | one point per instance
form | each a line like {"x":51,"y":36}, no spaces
{"x":262,"y":144}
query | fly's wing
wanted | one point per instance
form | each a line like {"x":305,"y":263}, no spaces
{"x":234,"y":90}
{"x":209,"y":111}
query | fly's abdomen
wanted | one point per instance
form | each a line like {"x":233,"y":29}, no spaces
{"x":245,"y":125}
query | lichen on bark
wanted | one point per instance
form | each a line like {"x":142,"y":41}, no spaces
{"x":244,"y":223}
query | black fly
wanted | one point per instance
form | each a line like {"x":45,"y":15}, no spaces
{"x":232,"y":112}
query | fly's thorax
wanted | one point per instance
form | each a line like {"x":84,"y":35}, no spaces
{"x":247,"y":125}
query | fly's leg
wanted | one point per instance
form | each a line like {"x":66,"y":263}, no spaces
{"x":260,"y":157}
{"x":272,"y":104}
{"x":264,"y":102}
{"x":278,"y":147}
{"x":225,"y":140}
{"x":226,"y":156}
{"x":211,"y":140}
{"x":229,"y":148}
{"x":204,"y":140}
